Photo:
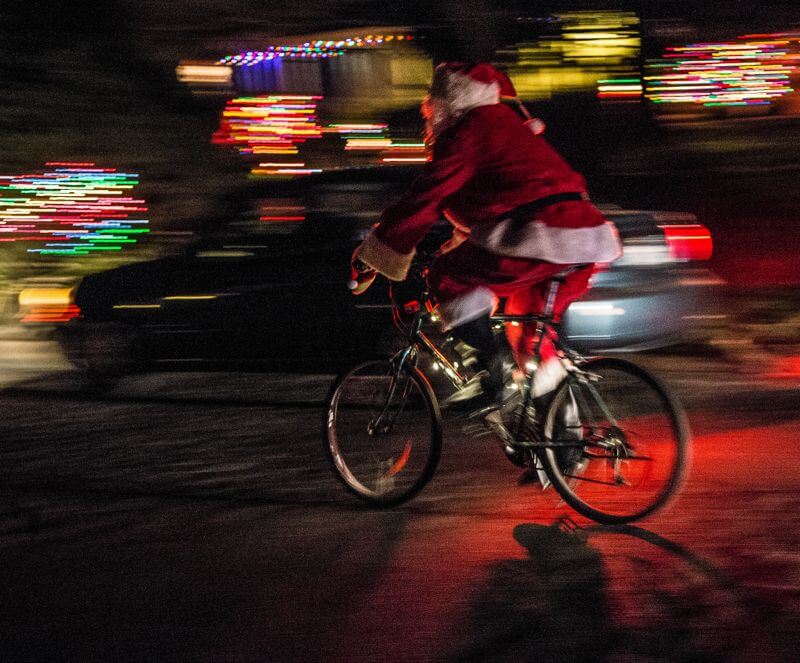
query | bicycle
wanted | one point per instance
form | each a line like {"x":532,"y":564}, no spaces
{"x":611,"y":439}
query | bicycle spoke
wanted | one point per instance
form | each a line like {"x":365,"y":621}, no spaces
{"x":634,"y":439}
{"x":578,"y":477}
{"x":383,"y":432}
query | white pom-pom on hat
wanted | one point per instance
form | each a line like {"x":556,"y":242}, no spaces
{"x":536,"y":125}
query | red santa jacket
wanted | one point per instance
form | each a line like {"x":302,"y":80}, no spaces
{"x":482,"y":168}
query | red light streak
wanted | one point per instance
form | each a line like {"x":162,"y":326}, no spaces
{"x":52,"y":314}
{"x":688,"y":242}
{"x":404,"y":159}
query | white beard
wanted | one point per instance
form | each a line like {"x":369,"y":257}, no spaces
{"x":438,"y":118}
{"x":451,"y":96}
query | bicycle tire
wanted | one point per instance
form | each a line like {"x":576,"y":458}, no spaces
{"x":390,"y":476}
{"x":618,"y":463}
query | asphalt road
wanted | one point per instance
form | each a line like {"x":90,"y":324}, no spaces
{"x":192,"y":518}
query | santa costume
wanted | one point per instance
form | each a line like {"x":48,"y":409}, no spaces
{"x":521,"y":213}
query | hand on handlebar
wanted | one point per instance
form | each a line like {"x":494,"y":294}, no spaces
{"x":361,"y":276}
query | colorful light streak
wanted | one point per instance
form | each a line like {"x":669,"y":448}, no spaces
{"x":73,"y":208}
{"x":277,"y":211}
{"x":722,"y":74}
{"x":312,"y":50}
{"x":284,"y":169}
{"x":273,"y":124}
{"x":51,"y":314}
{"x":620,"y":89}
{"x":405,"y":153}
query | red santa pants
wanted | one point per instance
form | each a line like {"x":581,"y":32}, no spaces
{"x":468,"y":281}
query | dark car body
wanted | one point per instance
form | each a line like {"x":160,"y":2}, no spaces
{"x":272,"y":294}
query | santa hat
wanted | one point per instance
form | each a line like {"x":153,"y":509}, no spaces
{"x":462,"y":87}
{"x":482,"y":73}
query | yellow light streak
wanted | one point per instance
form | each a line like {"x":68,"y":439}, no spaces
{"x":45,"y":297}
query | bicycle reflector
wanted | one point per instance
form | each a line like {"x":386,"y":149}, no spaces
{"x":688,"y":241}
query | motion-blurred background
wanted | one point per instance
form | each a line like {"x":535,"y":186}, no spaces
{"x":130,"y":129}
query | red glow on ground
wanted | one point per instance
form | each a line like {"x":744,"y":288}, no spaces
{"x":445,"y":566}
{"x":785,"y":368}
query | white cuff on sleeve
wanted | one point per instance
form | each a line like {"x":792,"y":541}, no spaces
{"x":384,"y":259}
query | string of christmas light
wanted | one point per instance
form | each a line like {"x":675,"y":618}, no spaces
{"x":317,"y":49}
{"x":73,"y":208}
{"x":723,"y":74}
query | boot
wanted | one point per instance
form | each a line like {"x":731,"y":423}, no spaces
{"x":485,"y":390}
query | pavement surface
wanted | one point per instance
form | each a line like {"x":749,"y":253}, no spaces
{"x":192,"y":517}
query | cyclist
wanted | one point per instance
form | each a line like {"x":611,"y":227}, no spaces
{"x":520,"y":213}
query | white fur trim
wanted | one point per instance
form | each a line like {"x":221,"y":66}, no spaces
{"x":553,"y":244}
{"x":383,"y":258}
{"x":467,"y":307}
{"x":464,"y":93}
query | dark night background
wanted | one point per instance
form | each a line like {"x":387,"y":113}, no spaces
{"x":192,"y":517}
{"x":96,"y":82}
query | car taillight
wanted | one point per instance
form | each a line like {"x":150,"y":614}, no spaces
{"x":688,"y":241}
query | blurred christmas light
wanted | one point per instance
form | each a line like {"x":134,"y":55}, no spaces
{"x":272,"y":124}
{"x":405,"y":153}
{"x":619,"y":89}
{"x":284,"y":169}
{"x":589,"y":45}
{"x":356,"y":128}
{"x":319,"y":48}
{"x":73,"y":208}
{"x":721,"y":74}
{"x":204,"y":73}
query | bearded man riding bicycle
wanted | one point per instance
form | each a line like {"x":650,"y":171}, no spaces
{"x":520,"y":213}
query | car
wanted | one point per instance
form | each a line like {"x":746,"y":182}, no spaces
{"x":269,"y":291}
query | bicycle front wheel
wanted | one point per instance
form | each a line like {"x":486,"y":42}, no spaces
{"x":619,"y":442}
{"x":383,"y":432}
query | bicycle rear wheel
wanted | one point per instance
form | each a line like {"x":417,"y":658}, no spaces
{"x":383,"y":432}
{"x":621,"y":442}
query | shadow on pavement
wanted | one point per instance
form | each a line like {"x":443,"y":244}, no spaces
{"x":571,"y":601}
{"x":551,"y":606}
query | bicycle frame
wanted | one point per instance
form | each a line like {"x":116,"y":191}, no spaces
{"x":534,"y":431}
{"x":418,"y":342}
